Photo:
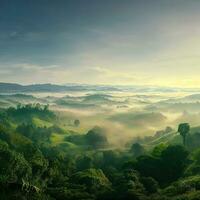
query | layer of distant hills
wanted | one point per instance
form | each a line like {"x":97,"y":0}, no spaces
{"x":17,"y":88}
{"x":12,"y":87}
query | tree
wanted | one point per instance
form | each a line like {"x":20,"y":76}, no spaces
{"x":84,"y":162}
{"x":46,"y":107}
{"x":76,"y":122}
{"x":150,"y":184}
{"x":174,"y":161}
{"x":94,"y":179}
{"x":148,"y":166}
{"x":96,"y":137}
{"x":137,"y":149}
{"x":157,"y":150}
{"x":14,"y":167}
{"x":128,"y":186}
{"x":184,"y":129}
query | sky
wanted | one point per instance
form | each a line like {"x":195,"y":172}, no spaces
{"x":115,"y":42}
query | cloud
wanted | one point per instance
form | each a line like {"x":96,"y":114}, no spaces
{"x":113,"y":74}
{"x":144,"y":44}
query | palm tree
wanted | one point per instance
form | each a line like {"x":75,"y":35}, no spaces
{"x":184,"y":129}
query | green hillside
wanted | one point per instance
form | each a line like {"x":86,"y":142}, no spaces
{"x":41,"y":159}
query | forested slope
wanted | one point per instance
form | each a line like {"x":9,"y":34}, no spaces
{"x":42,"y":160}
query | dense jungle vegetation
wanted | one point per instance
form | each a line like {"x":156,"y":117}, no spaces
{"x":41,"y":160}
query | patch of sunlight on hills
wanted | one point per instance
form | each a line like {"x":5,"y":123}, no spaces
{"x":41,"y":123}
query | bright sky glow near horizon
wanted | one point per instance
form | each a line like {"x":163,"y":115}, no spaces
{"x":129,"y":42}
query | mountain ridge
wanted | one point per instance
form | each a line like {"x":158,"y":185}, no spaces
{"x":48,"y":87}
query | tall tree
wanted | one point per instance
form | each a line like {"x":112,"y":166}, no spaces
{"x":184,"y":129}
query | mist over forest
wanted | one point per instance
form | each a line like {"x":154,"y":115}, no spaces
{"x":99,"y":100}
{"x":99,"y":142}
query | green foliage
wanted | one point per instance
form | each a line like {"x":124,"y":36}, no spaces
{"x":184,"y":129}
{"x":193,"y":141}
{"x":93,"y":179}
{"x":76,"y":122}
{"x":150,"y":184}
{"x":30,"y":112}
{"x":166,"y":168}
{"x":84,"y":162}
{"x":36,"y":134}
{"x":13,"y":166}
{"x":137,"y":149}
{"x":96,"y":138}
{"x":194,"y":167}
{"x":174,"y":161}
{"x":42,"y":161}
{"x":157,"y":150}
{"x":183,"y":186}
{"x":149,"y":165}
{"x":62,"y":193}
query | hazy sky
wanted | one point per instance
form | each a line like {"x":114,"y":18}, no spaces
{"x":134,"y":42}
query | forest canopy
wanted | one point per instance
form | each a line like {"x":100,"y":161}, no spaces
{"x":86,"y":166}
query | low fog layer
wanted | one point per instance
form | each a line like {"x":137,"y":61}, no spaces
{"x":124,"y":114}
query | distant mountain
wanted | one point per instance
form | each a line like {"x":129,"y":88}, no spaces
{"x":12,"y":88}
{"x":17,"y":88}
{"x":193,"y":98}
